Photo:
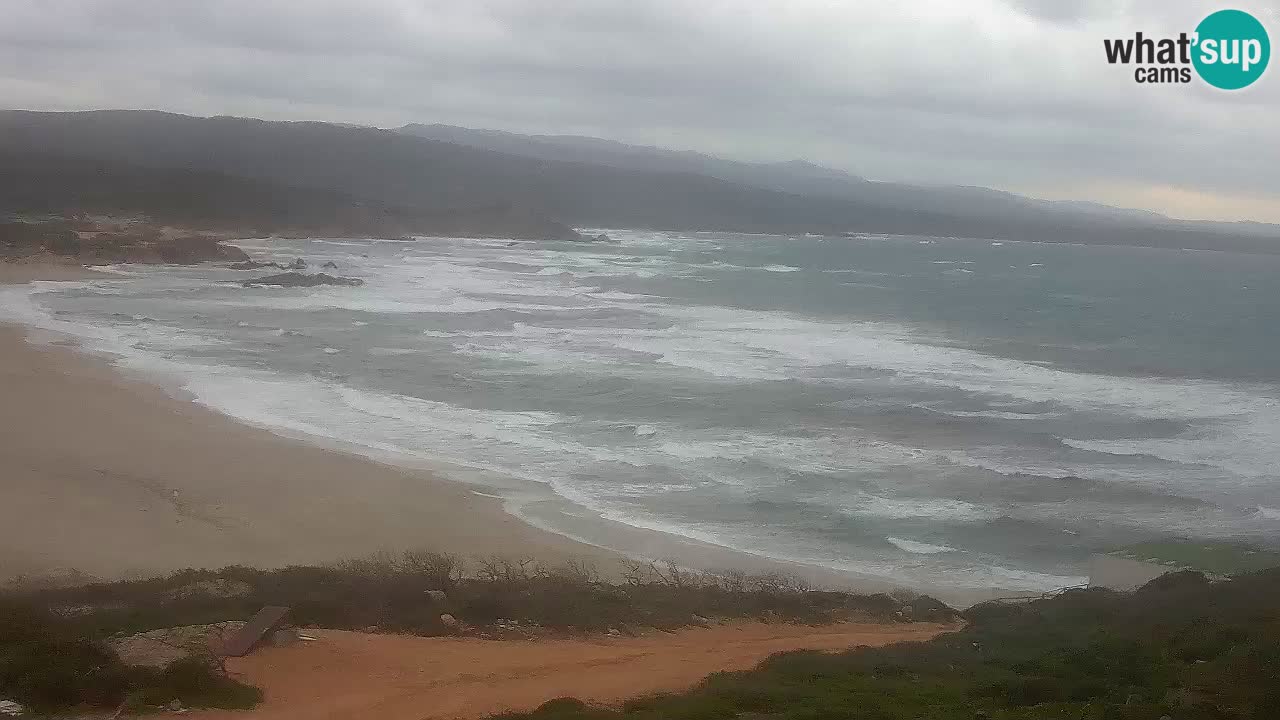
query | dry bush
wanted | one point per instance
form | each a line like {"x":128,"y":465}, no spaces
{"x":573,"y":571}
{"x":732,"y":580}
{"x":397,"y":593}
{"x":505,"y":569}
{"x":446,"y":568}
{"x":637,"y":572}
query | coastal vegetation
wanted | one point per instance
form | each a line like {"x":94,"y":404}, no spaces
{"x":91,"y":243}
{"x":49,"y":663}
{"x":55,"y":633}
{"x":410,"y":591}
{"x":1182,"y":646}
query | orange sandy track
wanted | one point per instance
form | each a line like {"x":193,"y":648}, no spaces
{"x":344,"y":675}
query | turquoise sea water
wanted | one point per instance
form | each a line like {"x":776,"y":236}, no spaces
{"x":927,"y":410}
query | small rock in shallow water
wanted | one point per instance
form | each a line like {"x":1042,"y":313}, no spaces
{"x":294,"y":279}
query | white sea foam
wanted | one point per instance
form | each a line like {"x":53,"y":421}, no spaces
{"x":342,"y":243}
{"x":964,"y":576}
{"x":990,"y":414}
{"x":917,"y":547}
{"x":941,"y":509}
{"x":114,"y":270}
{"x":773,"y":345}
{"x":1246,"y":448}
{"x":741,"y":345}
{"x":867,"y":481}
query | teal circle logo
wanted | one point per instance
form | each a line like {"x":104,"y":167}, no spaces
{"x":1232,"y":49}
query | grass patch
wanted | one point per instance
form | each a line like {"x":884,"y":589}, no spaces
{"x":1217,"y":558}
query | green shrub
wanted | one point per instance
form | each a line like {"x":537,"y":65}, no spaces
{"x":1183,"y":647}
{"x":43,"y":665}
{"x":48,"y":665}
{"x":193,"y":682}
{"x":391,"y":592}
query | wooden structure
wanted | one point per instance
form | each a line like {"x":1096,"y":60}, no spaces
{"x":267,"y":620}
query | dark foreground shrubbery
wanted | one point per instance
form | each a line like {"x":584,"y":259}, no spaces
{"x":52,"y":654}
{"x":1180,"y":647}
{"x":49,"y":664}
{"x":394,"y":594}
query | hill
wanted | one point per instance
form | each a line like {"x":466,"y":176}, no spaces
{"x":802,"y":177}
{"x":66,"y":185}
{"x":401,"y":170}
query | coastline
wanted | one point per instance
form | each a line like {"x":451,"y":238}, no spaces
{"x":135,"y":479}
{"x":110,"y":477}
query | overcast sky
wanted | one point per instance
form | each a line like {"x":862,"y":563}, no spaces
{"x":1014,"y":94}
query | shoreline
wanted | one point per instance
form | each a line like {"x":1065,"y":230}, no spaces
{"x":115,"y":478}
{"x":205,"y":489}
{"x":112,"y":477}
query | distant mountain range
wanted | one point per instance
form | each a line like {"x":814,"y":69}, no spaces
{"x":42,"y":184}
{"x":802,"y":177}
{"x":408,"y":179}
{"x":799,"y":177}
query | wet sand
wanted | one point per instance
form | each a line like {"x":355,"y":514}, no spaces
{"x":112,"y":477}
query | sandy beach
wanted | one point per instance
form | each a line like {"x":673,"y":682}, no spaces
{"x":112,"y":477}
{"x":108,"y":475}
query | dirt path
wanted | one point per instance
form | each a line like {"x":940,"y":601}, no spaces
{"x":393,"y":677}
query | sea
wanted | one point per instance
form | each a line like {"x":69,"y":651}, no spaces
{"x":925,"y":411}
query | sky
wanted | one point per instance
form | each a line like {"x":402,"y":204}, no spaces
{"x":1011,"y":94}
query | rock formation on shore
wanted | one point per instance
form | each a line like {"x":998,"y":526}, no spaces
{"x":297,"y":279}
{"x":297,"y":264}
{"x":140,"y":244}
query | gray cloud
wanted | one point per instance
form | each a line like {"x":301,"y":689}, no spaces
{"x":1007,"y":93}
{"x":1069,"y":11}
